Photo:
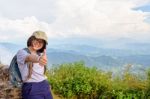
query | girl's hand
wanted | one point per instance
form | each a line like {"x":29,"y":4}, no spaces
{"x":43,"y":59}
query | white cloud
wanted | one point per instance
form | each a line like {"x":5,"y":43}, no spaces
{"x":16,"y":29}
{"x":138,"y":3}
{"x":81,"y":18}
{"x":101,"y":18}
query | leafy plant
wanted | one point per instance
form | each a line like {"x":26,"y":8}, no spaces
{"x":77,"y":81}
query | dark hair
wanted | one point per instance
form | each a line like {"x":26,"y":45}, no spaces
{"x":29,"y":43}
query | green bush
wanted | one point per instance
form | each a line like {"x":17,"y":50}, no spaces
{"x":147,"y":91}
{"x":75,"y":80}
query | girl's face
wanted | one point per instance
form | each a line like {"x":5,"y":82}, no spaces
{"x":37,"y":44}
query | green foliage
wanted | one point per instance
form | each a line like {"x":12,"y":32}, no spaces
{"x":75,"y":80}
{"x":147,"y":94}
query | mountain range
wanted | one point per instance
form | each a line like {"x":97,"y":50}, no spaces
{"x":104,"y":56}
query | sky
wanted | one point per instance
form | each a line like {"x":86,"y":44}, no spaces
{"x":97,"y":19}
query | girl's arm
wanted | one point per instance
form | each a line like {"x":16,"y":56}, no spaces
{"x":42,"y":60}
{"x":32,"y":58}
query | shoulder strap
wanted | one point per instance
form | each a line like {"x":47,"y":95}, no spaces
{"x":27,"y":50}
{"x":30,"y":64}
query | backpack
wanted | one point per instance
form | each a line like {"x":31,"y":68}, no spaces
{"x":14,"y":72}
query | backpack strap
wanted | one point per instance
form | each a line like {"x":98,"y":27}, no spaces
{"x":27,"y":50}
{"x":29,"y":64}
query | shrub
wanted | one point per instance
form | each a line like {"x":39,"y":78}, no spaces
{"x":76,"y":79}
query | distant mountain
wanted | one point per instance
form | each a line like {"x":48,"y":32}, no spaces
{"x":99,"y":61}
{"x":10,"y":46}
{"x":100,"y":56}
{"x":143,"y":60}
{"x":90,"y":50}
{"x":63,"y":57}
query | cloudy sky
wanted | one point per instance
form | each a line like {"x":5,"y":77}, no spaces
{"x":99,"y":19}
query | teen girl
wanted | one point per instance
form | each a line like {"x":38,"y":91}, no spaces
{"x":32,"y":67}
